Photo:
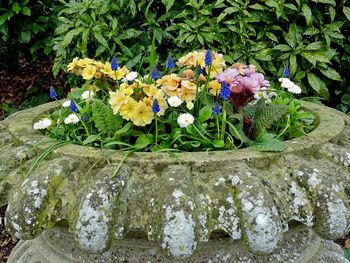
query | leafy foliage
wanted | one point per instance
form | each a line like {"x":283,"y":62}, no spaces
{"x":104,"y":119}
{"x":26,"y":28}
{"x":307,"y":35}
{"x":263,"y":116}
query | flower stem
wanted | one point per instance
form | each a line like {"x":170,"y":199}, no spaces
{"x":223,"y":120}
{"x":156,"y":130}
{"x":218,"y":126}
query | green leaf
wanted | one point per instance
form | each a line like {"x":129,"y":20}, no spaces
{"x":26,"y":36}
{"x":331,"y":73}
{"x":143,"y":141}
{"x":293,"y":64}
{"x":272,"y":36}
{"x":346,"y":11}
{"x":104,"y":119}
{"x":347,"y":253}
{"x":314,"y":46}
{"x":346,"y":99}
{"x":92,"y":138}
{"x":331,"y":2}
{"x":282,"y":47}
{"x":16,"y":8}
{"x":26,"y":11}
{"x":318,"y":85}
{"x":205,"y":114}
{"x":69,"y":36}
{"x":101,"y":39}
{"x":307,"y":14}
{"x":125,"y":129}
{"x":267,"y":143}
{"x":218,"y":143}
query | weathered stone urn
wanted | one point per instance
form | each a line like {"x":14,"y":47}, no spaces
{"x":83,"y":204}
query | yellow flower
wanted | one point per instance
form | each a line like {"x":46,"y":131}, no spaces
{"x":106,"y":69}
{"x":163,"y":105}
{"x":126,"y":89}
{"x":98,"y":74}
{"x":150,"y":90}
{"x":127,"y":109}
{"x":119,"y":73}
{"x":189,"y":105}
{"x":217,"y":65}
{"x":170,"y":84}
{"x":117,"y":100}
{"x":89,"y":72}
{"x":82,"y":63}
{"x":214,"y":87}
{"x":71,"y":66}
{"x":188,"y":91}
{"x":192,"y":59}
{"x":142,"y":115}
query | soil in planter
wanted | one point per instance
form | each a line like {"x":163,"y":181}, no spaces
{"x":7,"y":242}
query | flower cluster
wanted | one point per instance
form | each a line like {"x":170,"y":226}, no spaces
{"x":89,"y":69}
{"x":134,"y":102}
{"x":194,"y":106}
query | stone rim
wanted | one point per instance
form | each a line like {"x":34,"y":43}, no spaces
{"x":330,"y":125}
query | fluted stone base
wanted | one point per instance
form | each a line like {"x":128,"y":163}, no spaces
{"x":58,"y":246}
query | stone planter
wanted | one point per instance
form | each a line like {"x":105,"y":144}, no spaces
{"x":84,"y":204}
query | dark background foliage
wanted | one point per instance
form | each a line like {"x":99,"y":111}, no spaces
{"x":311,"y":36}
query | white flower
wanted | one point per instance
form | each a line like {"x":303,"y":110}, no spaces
{"x":131,"y":76}
{"x":66,"y":104}
{"x":185,"y":119}
{"x":174,"y":101}
{"x":42,"y":124}
{"x":72,"y":118}
{"x":289,"y":85}
{"x":88,"y":94}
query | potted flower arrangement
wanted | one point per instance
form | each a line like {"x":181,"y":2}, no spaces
{"x":204,"y":163}
{"x":204,"y":106}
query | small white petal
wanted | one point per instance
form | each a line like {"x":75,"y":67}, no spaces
{"x":66,"y":104}
{"x":185,"y":119}
{"x":131,"y":76}
{"x":88,"y":94}
{"x":42,"y":124}
{"x":72,"y":118}
{"x":174,"y":101}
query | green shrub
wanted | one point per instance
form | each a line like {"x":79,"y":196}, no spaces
{"x":26,"y":28}
{"x":309,"y":35}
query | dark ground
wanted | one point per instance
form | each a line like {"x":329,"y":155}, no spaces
{"x":26,"y":87}
{"x":7,"y":242}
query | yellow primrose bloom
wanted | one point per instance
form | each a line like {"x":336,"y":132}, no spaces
{"x":150,"y":90}
{"x":170,"y":84}
{"x":119,"y":73}
{"x":89,"y":72}
{"x":82,"y":62}
{"x":142,"y":115}
{"x":71,"y":66}
{"x":217,"y":65}
{"x":127,"y":109}
{"x":188,"y":85}
{"x":126,"y":89}
{"x":98,"y":75}
{"x":163,"y":105}
{"x":192,"y":59}
{"x":117,"y":100}
{"x":107,"y":69}
{"x":214,"y":87}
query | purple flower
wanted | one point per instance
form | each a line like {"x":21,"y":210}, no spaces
{"x":155,"y":106}
{"x":229,"y":75}
{"x":154,"y":74}
{"x":260,"y":79}
{"x":114,"y":63}
{"x":53,"y":93}
{"x":73,"y":106}
{"x":286,"y":71}
{"x":208,"y":59}
{"x":170,"y":63}
{"x":216,"y":108}
{"x":224,"y":91}
{"x":85,"y":117}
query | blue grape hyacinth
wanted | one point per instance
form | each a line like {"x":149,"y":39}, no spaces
{"x":114,"y":63}
{"x":208,"y":59}
{"x":286,"y":72}
{"x":53,"y":93}
{"x":73,"y":106}
{"x":224,"y":91}
{"x":170,"y":63}
{"x":155,"y":106}
{"x":154,"y":74}
{"x":216,"y":108}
